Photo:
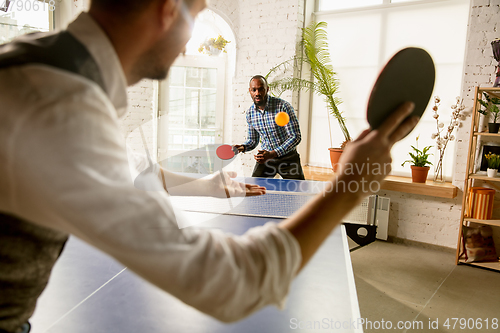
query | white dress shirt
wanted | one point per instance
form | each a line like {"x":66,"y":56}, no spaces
{"x":63,"y":165}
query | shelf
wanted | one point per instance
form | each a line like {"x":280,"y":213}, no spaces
{"x":488,"y":222}
{"x":490,"y":90}
{"x":484,"y":177}
{"x":497,"y":135}
{"x":393,"y":183}
{"x":494,"y":265}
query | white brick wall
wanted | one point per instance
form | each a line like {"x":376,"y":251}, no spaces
{"x":140,"y":113}
{"x":266,"y":33}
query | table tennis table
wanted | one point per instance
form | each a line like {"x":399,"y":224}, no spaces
{"x":91,"y":292}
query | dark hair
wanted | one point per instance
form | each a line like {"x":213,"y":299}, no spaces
{"x":258,"y":77}
{"x":127,"y":6}
{"x":121,"y":6}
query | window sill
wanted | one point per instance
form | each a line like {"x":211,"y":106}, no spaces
{"x":393,"y":183}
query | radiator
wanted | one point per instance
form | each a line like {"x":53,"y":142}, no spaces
{"x":365,"y":213}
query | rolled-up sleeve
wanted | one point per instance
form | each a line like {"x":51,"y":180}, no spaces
{"x":69,"y":171}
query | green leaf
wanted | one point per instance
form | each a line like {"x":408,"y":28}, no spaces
{"x":316,"y":54}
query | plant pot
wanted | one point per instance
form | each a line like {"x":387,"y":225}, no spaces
{"x":492,"y":173}
{"x":419,"y":174}
{"x":482,"y":123}
{"x":335,"y":156}
{"x":493,"y":127}
{"x":213,"y":51}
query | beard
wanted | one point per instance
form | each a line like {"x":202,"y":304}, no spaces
{"x":152,"y":66}
{"x":261,"y":103}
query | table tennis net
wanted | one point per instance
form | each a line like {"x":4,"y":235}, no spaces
{"x":274,"y":204}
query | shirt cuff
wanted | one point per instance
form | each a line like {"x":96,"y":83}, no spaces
{"x":280,"y":151}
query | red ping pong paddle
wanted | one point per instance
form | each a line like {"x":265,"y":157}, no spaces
{"x":225,"y":152}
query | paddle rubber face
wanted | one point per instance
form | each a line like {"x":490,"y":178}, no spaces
{"x":225,"y":152}
{"x":408,"y":76}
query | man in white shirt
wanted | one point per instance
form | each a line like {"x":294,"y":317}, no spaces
{"x":64,"y":170}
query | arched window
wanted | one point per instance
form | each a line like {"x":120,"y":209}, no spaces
{"x":193,"y":99}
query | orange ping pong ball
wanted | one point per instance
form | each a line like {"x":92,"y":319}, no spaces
{"x":282,"y":119}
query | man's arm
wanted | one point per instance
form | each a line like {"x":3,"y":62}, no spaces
{"x":220,"y":184}
{"x":312,"y":224}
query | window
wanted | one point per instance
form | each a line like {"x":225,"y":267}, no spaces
{"x":23,"y":16}
{"x":342,"y":4}
{"x":327,"y":5}
{"x":192,"y":101}
{"x":361,"y":42}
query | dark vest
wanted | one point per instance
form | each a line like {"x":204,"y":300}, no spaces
{"x":28,"y":251}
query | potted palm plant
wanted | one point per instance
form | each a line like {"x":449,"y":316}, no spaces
{"x":490,"y":107}
{"x":314,"y":46}
{"x":419,"y":160}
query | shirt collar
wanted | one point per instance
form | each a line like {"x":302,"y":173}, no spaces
{"x":90,"y":34}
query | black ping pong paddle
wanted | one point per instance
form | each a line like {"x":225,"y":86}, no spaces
{"x":408,"y":76}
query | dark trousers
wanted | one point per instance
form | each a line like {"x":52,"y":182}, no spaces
{"x":287,"y":166}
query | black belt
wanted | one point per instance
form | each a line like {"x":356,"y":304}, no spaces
{"x":290,"y":153}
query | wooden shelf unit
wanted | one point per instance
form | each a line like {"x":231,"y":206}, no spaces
{"x":472,"y":175}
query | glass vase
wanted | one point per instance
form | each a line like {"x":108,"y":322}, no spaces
{"x":438,"y":171}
